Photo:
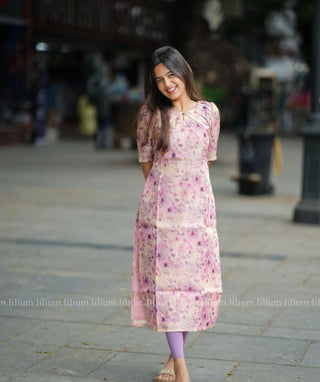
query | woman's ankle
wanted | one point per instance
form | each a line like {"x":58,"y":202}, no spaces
{"x":181,"y":371}
{"x":180,"y":365}
{"x":170,"y":363}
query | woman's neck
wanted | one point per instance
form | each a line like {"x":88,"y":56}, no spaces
{"x":184,"y":104}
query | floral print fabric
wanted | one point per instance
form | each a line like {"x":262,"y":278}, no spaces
{"x":176,"y":279}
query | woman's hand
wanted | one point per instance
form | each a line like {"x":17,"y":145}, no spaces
{"x":146,"y":168}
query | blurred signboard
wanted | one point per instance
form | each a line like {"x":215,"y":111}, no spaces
{"x":106,"y":20}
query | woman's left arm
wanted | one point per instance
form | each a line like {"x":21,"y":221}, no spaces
{"x":146,"y":168}
{"x":214,"y":133}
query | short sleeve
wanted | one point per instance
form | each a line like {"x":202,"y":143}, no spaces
{"x":144,"y":142}
{"x":214,"y":132}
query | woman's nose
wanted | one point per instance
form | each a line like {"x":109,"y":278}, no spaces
{"x":167,"y":81}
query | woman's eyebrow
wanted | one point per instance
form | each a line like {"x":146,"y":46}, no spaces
{"x":164,"y":75}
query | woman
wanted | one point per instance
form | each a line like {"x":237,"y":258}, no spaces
{"x":176,"y":280}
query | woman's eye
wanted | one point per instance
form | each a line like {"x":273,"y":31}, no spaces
{"x":158,"y":80}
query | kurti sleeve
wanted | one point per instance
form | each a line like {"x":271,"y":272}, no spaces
{"x":144,"y":141}
{"x":214,"y":132}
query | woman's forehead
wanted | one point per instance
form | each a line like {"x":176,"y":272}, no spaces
{"x":161,"y":70}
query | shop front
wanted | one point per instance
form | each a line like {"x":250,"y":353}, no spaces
{"x":15,"y":122}
{"x":75,"y":45}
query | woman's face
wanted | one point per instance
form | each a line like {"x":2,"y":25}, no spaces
{"x":168,"y":84}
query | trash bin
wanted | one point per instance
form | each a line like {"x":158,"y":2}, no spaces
{"x":255,"y":152}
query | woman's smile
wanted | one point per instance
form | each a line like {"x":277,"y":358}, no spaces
{"x":172,"y":89}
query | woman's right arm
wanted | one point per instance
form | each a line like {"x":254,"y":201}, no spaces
{"x":144,"y":143}
{"x":146,"y":168}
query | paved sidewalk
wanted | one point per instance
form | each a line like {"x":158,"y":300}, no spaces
{"x":66,"y":235}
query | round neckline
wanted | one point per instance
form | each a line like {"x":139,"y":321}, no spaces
{"x":185,"y":111}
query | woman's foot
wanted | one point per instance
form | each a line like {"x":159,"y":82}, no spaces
{"x":181,"y":371}
{"x":167,"y":373}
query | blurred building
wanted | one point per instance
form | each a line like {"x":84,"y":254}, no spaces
{"x":14,"y":70}
{"x":49,"y":50}
{"x":230,"y":41}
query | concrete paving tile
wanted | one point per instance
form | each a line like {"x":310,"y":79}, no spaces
{"x":251,"y":372}
{"x":123,"y":338}
{"x":66,"y":307}
{"x":61,"y":314}
{"x":313,"y":282}
{"x":299,"y":318}
{"x":297,"y":266}
{"x":247,"y":348}
{"x":228,"y":263}
{"x":296,"y":240}
{"x":53,"y":333}
{"x":230,"y":328}
{"x":275,"y":287}
{"x":11,"y":286}
{"x":312,"y":357}
{"x":50,"y":280}
{"x":72,"y":362}
{"x":234,"y":287}
{"x":20,"y":356}
{"x":22,"y":313}
{"x":6,"y":376}
{"x":144,"y":367}
{"x":32,"y":377}
{"x":231,"y":313}
{"x":76,"y":286}
{"x":11,"y":327}
{"x":268,"y":273}
{"x":202,"y":370}
{"x":91,"y":315}
{"x":39,"y":257}
{"x":256,"y":264}
{"x":301,"y":334}
{"x":121,"y":318}
{"x":136,"y":367}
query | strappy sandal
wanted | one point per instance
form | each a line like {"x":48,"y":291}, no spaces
{"x":166,"y":372}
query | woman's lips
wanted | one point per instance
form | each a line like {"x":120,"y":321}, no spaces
{"x":171,"y":90}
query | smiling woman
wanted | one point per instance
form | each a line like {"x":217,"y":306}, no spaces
{"x":170,"y":85}
{"x":176,"y":278}
{"x":167,"y":67}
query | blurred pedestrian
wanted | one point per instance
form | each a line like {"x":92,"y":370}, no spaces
{"x":40,"y":105}
{"x":176,"y":279}
{"x":99,"y":96}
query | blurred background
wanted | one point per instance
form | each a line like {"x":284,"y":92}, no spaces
{"x":75,"y":69}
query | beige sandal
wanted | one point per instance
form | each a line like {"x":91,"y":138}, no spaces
{"x":166,"y":372}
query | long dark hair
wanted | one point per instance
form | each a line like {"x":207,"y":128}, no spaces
{"x":155,"y":101}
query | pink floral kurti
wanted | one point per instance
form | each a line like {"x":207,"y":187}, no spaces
{"x":176,"y":279}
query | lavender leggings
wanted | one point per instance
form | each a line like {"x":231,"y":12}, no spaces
{"x":176,"y":341}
